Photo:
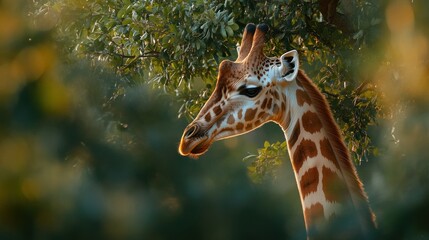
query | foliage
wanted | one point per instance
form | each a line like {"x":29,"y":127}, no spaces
{"x":177,"y":46}
{"x":268,"y":160}
{"x":169,"y":43}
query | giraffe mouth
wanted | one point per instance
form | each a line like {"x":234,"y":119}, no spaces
{"x":194,"y":147}
{"x":200,"y":149}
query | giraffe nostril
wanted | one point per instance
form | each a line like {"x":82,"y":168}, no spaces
{"x":191,"y":131}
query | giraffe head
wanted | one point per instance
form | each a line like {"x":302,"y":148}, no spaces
{"x":248,"y":93}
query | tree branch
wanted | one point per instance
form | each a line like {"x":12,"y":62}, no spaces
{"x":144,"y":55}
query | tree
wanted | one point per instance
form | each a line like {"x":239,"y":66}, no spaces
{"x":177,"y":46}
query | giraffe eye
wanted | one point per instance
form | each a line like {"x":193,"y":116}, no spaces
{"x":250,"y":92}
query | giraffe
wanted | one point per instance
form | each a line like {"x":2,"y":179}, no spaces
{"x":255,"y":89}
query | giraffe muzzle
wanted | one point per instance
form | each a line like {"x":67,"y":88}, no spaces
{"x":194,"y":141}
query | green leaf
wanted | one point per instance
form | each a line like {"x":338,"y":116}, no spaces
{"x":122,"y":12}
{"x":234,"y":26}
{"x":127,"y":21}
{"x":223,"y":32}
{"x":267,"y":144}
{"x":229,"y":31}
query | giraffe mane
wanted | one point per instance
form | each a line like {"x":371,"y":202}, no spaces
{"x":342,"y":155}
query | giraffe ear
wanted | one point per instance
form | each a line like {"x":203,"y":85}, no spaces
{"x":289,"y":66}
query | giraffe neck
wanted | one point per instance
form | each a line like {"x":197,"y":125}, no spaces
{"x":328,"y":185}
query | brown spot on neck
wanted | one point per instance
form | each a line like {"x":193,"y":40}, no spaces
{"x":302,"y":97}
{"x":333,"y":186}
{"x":298,"y":82}
{"x":305,"y":149}
{"x":328,"y":152}
{"x":295,"y":134}
{"x":311,"y":122}
{"x":313,"y":215}
{"x":309,"y":181}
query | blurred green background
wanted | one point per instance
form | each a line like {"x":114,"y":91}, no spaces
{"x":94,"y":96}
